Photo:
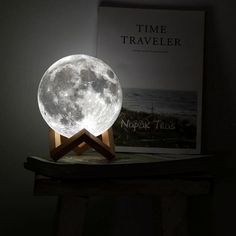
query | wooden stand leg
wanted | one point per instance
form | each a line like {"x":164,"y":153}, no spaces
{"x":108,"y":139}
{"x":174,"y":215}
{"x":71,"y":215}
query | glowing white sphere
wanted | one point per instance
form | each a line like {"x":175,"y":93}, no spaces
{"x":78,"y":92}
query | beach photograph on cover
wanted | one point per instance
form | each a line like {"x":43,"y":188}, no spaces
{"x":152,"y":117}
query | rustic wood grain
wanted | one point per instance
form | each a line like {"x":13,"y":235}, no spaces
{"x":71,"y":215}
{"x":91,"y":165}
{"x":81,"y":137}
{"x":80,"y":142}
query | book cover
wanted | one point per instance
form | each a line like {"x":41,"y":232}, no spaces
{"x":158,"y":58}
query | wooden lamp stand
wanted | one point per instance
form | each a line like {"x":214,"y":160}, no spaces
{"x":80,"y":142}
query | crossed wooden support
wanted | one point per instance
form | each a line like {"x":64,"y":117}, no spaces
{"x":80,"y":142}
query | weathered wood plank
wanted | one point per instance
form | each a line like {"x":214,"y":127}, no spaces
{"x":94,"y":166}
{"x":71,"y":215}
{"x":120,"y":187}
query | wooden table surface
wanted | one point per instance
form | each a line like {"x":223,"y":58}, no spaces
{"x":92,"y":165}
{"x":77,"y":179}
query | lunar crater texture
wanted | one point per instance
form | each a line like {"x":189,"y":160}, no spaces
{"x":78,"y":92}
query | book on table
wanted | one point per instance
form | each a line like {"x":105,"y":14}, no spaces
{"x":158,"y":57}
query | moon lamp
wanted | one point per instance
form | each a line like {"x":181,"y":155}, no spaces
{"x":80,"y":98}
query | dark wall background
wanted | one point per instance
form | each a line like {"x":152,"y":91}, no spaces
{"x":34,"y":34}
